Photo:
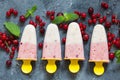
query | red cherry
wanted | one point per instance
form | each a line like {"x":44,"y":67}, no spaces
{"x":48,"y":13}
{"x":93,"y":16}
{"x":98,"y":15}
{"x":83,"y":15}
{"x":22,"y":18}
{"x":4,"y":37}
{"x":77,"y":12}
{"x":11,"y":56}
{"x":60,"y":14}
{"x":108,"y":34}
{"x":101,"y":20}
{"x":90,"y":10}
{"x":37,"y":17}
{"x":8,"y":14}
{"x":40,"y":45}
{"x":85,"y":37}
{"x":42,"y":24}
{"x":83,"y":33}
{"x":31,"y":22}
{"x":63,"y":40}
{"x":107,"y":24}
{"x":104,"y":5}
{"x":104,"y":18}
{"x":35,"y":24}
{"x":89,"y":21}
{"x":110,"y":38}
{"x":65,"y":27}
{"x":84,"y":27}
{"x":111,"y":56}
{"x":51,"y":17}
{"x":61,"y":25}
{"x":15,"y":12}
{"x":15,"y":42}
{"x":8,"y":63}
{"x":42,"y":30}
{"x":52,"y":13}
{"x":11,"y":10}
{"x":94,"y":21}
{"x":13,"y":48}
{"x":113,"y":16}
{"x":114,"y":41}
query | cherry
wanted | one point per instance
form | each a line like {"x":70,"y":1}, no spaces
{"x":94,"y":21}
{"x":104,"y":18}
{"x":15,"y":12}
{"x":113,"y":16}
{"x":93,"y":16}
{"x":104,"y":5}
{"x":22,"y":18}
{"x":13,"y":48}
{"x":89,"y":21}
{"x":31,"y":22}
{"x":52,"y":13}
{"x":11,"y":10}
{"x":84,"y":27}
{"x":61,"y":25}
{"x":8,"y":14}
{"x":64,"y":40}
{"x":48,"y":13}
{"x":65,"y":27}
{"x":37,"y":17}
{"x":8,"y":63}
{"x":85,"y":37}
{"x":4,"y":37}
{"x":42,"y":30}
{"x":83,"y":15}
{"x":51,"y":17}
{"x":111,"y":56}
{"x":40,"y":45}
{"x":98,"y":15}
{"x":101,"y":20}
{"x":60,"y":14}
{"x":83,"y":33}
{"x":77,"y":12}
{"x":35,"y":24}
{"x":90,"y":10}
{"x":7,"y":50}
{"x":15,"y":42}
{"x":107,"y":24}
{"x":42,"y":24}
{"x":11,"y":56}
{"x":113,"y":21}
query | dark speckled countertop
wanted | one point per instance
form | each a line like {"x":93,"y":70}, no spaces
{"x":112,"y":70}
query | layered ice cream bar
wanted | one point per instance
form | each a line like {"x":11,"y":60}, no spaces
{"x":74,"y":43}
{"x":99,"y":47}
{"x":28,"y":48}
{"x":52,"y":46}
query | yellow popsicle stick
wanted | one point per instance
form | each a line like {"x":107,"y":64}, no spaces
{"x":74,"y":67}
{"x":98,"y":68}
{"x":51,"y":66}
{"x":26,"y":66}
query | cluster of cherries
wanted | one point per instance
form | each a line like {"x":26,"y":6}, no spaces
{"x":10,"y":45}
{"x":11,"y":11}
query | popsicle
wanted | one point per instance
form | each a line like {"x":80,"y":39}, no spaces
{"x":27,"y":49}
{"x":51,"y":47}
{"x":99,"y":49}
{"x":74,"y":47}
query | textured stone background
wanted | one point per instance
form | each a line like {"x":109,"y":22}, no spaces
{"x":112,"y":70}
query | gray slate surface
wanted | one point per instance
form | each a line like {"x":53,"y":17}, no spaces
{"x":112,"y":70}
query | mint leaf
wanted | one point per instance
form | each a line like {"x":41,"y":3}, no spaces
{"x":58,"y":19}
{"x":70,"y":16}
{"x":30,"y":11}
{"x":117,"y":53}
{"x":12,"y":28}
{"x":67,"y":17}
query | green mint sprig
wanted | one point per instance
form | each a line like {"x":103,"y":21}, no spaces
{"x":30,"y":11}
{"x":12,"y":28}
{"x":65,"y":18}
{"x":117,"y":55}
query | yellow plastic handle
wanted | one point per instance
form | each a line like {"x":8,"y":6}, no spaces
{"x":74,"y":67}
{"x":98,"y":68}
{"x":26,"y":66}
{"x":51,"y":66}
